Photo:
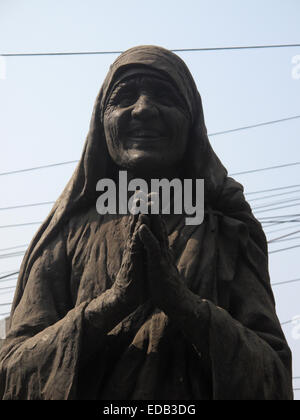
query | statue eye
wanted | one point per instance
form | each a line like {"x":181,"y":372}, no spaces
{"x":166,"y":97}
{"x":125,"y":97}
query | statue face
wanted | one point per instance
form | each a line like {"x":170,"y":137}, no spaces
{"x":146,"y":125}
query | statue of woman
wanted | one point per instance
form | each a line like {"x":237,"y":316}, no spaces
{"x":145,"y":306}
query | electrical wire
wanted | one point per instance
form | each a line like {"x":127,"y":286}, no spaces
{"x":274,"y":203}
{"x":219,"y":133}
{"x":265,"y":197}
{"x":282,"y":216}
{"x":9,"y":275}
{"x":285,"y":282}
{"x":20,"y":225}
{"x":277,"y":208}
{"x":27,"y":205}
{"x":14,"y":247}
{"x":283,"y":236}
{"x":6,"y":272}
{"x":288,"y":239}
{"x":284,"y":249}
{"x":287,"y":322}
{"x":272,"y":189}
{"x":13,"y":279}
{"x":12,"y":254}
{"x":7,"y":288}
{"x":268,"y":232}
{"x":278,"y":222}
{"x":229,"y":48}
{"x":264,"y":169}
{"x":35,"y":168}
{"x":6,"y":292}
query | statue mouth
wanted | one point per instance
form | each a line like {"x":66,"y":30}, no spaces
{"x":145,"y":134}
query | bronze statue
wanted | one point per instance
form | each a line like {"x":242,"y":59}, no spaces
{"x":145,"y":306}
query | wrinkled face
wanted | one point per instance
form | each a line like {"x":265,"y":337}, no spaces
{"x":146,"y":125}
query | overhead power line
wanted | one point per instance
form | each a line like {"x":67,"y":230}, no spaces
{"x":287,"y":322}
{"x":281,"y":229}
{"x":7,"y":272}
{"x":283,"y":236}
{"x":284,"y":216}
{"x":273,"y":189}
{"x":52,"y":165}
{"x":276,"y":208}
{"x":253,"y":126}
{"x":20,"y":225}
{"x":271,"y":196}
{"x":229,"y":48}
{"x":12,"y":254}
{"x":285,"y":282}
{"x":7,"y":288}
{"x":14,"y":247}
{"x":288,"y":239}
{"x":284,"y":249}
{"x":266,"y":169}
{"x":272,"y":223}
{"x":275,"y":203}
{"x":9,"y":275}
{"x":27,"y":205}
{"x":9,"y":280}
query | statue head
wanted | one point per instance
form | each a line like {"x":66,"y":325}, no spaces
{"x":151,"y":114}
{"x":146,"y":123}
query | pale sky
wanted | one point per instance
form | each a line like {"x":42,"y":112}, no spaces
{"x":46,"y":104}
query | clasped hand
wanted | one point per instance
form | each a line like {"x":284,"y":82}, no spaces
{"x":148,"y":270}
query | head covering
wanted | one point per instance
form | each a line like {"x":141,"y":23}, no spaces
{"x":95,"y":162}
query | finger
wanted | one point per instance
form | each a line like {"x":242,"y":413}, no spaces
{"x":158,"y":227}
{"x":151,"y":244}
{"x":153,"y":203}
{"x":135,"y":239}
{"x":133,"y":221}
{"x":139,"y":205}
{"x":136,"y":244}
{"x":143,"y":220}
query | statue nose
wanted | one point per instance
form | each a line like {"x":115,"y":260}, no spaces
{"x":144,"y":108}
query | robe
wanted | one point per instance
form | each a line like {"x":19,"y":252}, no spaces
{"x":146,"y":356}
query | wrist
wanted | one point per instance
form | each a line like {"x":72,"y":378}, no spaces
{"x":106,"y":311}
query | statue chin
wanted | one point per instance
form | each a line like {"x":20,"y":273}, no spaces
{"x":144,"y":164}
